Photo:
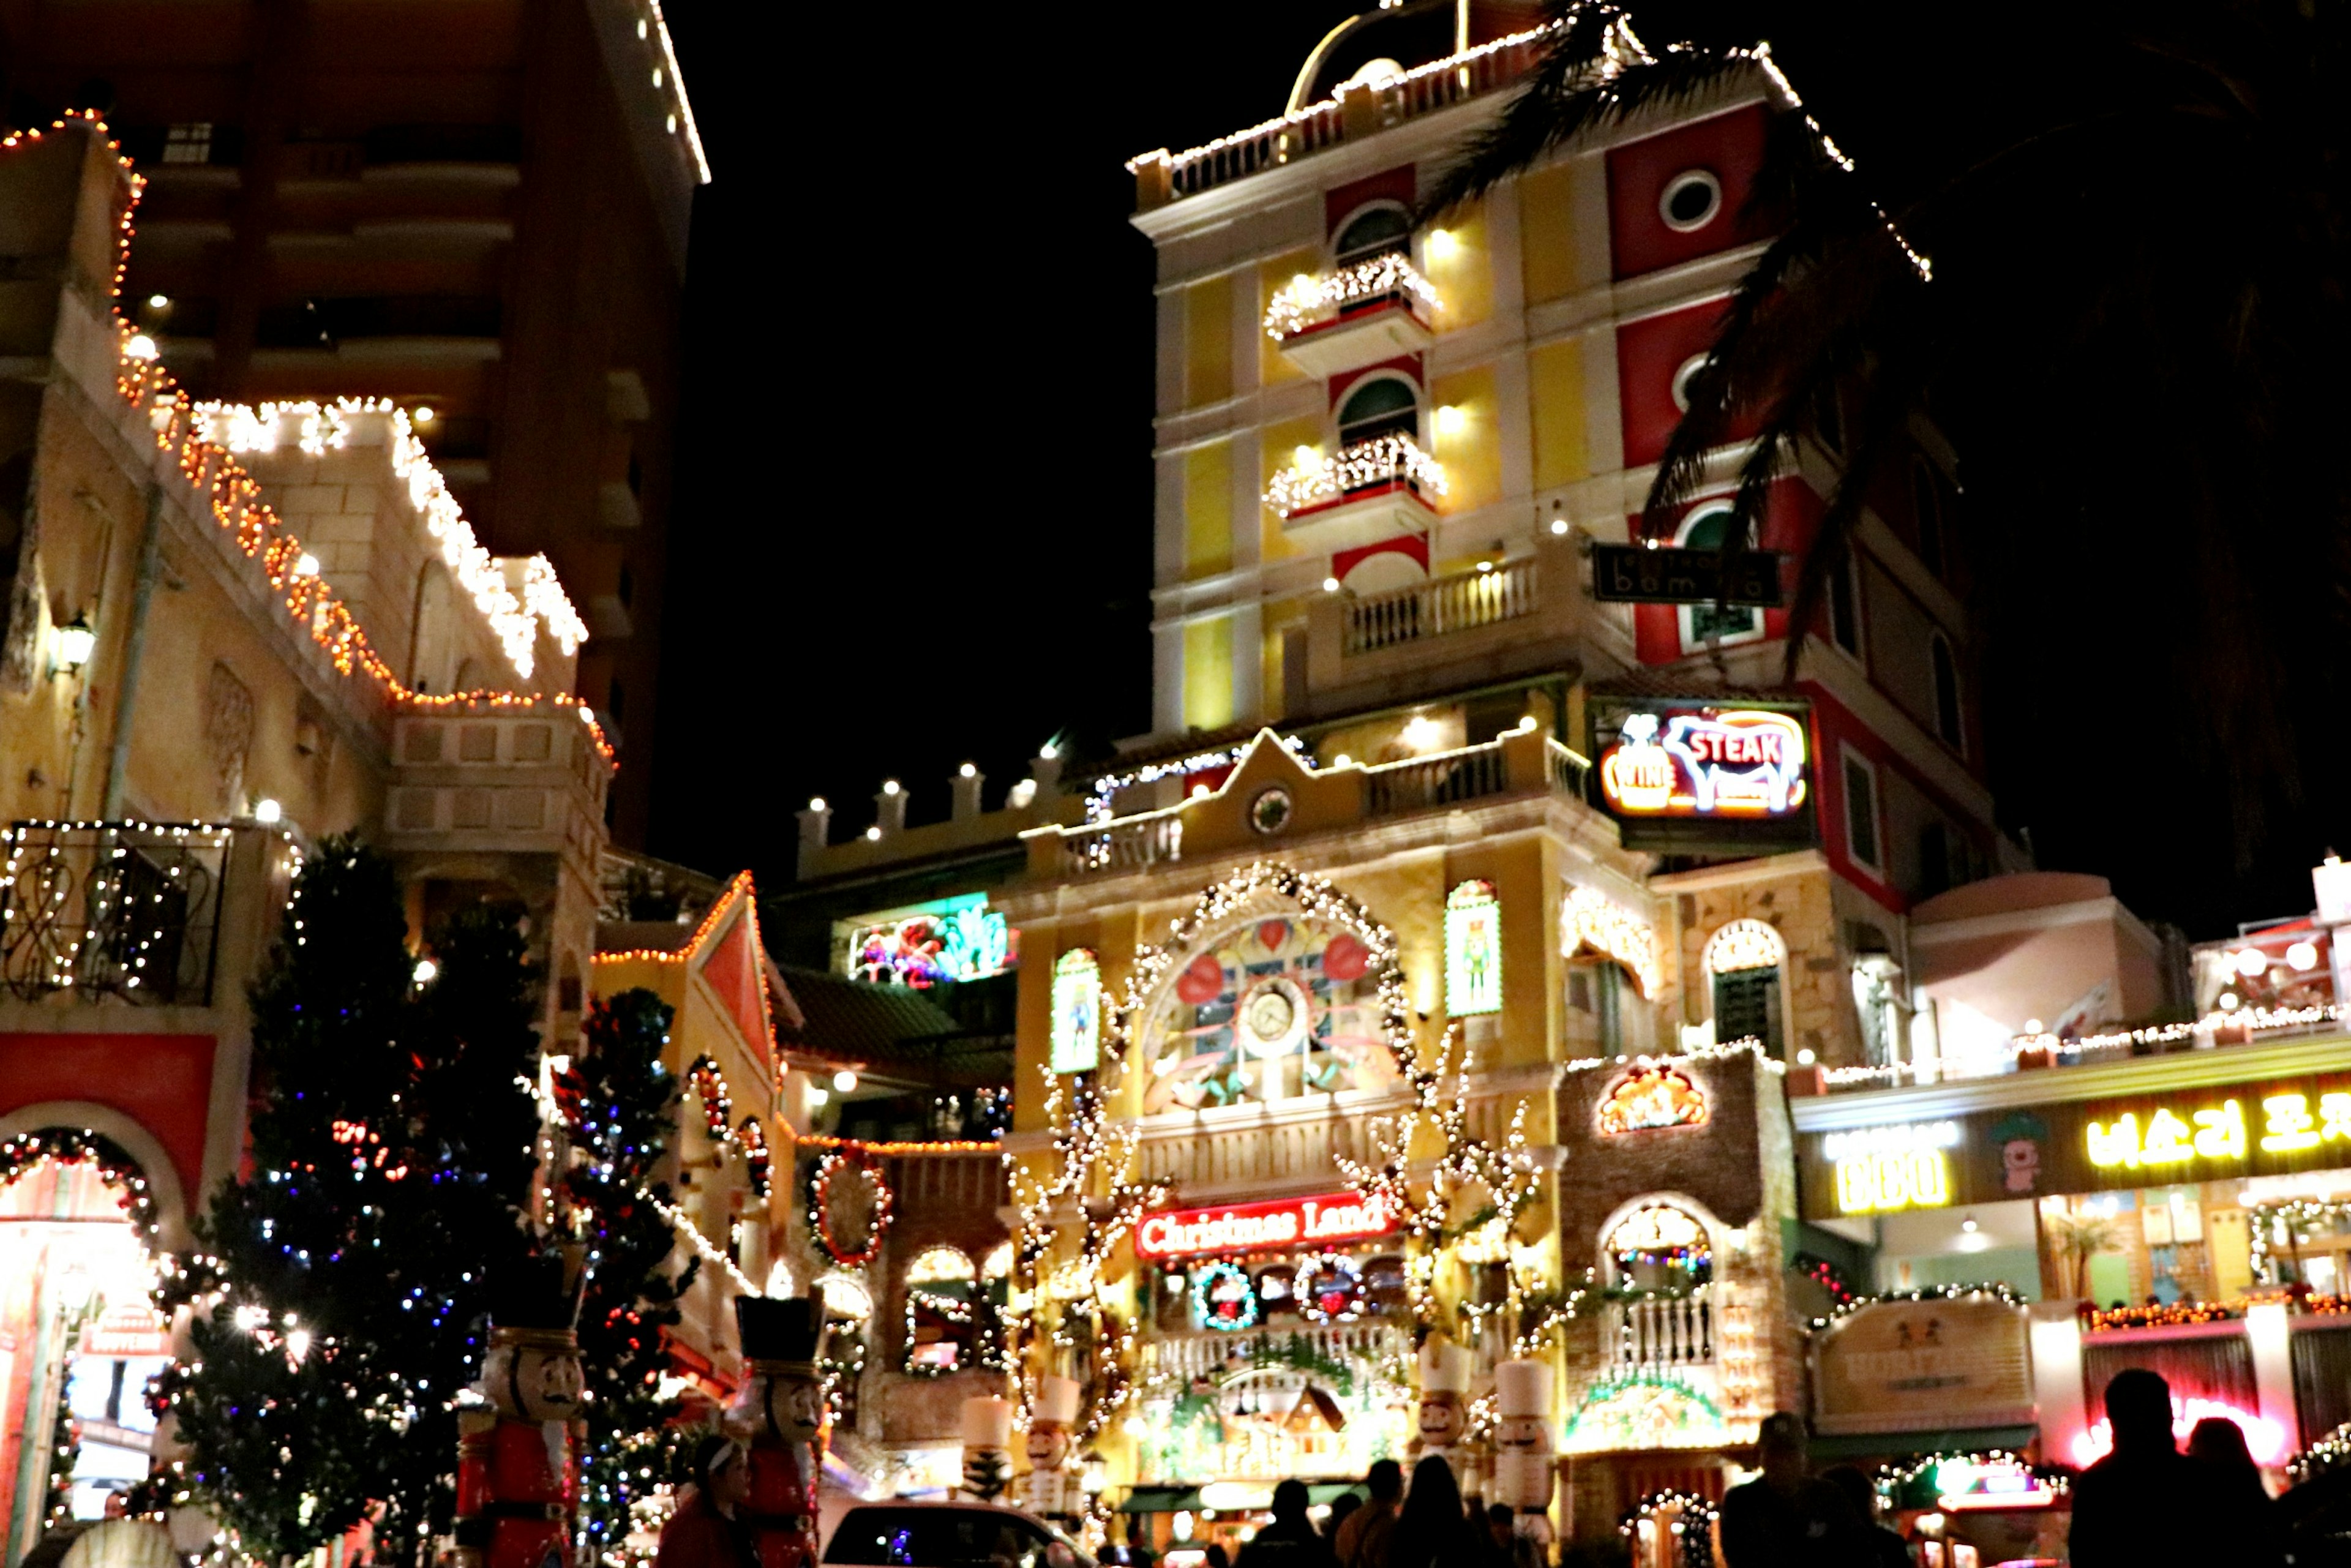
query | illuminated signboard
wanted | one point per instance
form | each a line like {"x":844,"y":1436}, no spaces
{"x":1283,"y":1223}
{"x":1880,"y":1169}
{"x":1077,"y":1012}
{"x":2168,"y":1138}
{"x":932,"y":943}
{"x":1734,"y":763}
{"x":1473,"y":950}
{"x":1650,"y":1098}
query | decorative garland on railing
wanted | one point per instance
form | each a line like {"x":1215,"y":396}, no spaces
{"x":1994,"y":1289}
{"x":25,"y":1153}
{"x":819,"y":1223}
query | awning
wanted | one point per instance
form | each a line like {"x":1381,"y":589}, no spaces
{"x":1951,"y":1440}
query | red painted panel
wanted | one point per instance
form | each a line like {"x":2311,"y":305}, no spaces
{"x":162,"y":1082}
{"x":1347,"y":560}
{"x":732,"y":971}
{"x":1791,"y":518}
{"x":1388,"y":185}
{"x":1407,"y":364}
{"x":1729,"y":146}
{"x":1648,"y":352}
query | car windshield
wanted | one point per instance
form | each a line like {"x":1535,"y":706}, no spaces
{"x":888,"y":1537}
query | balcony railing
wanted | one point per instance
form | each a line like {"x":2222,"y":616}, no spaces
{"x":1449,"y":605}
{"x":1382,"y":465}
{"x":1206,"y":1354}
{"x":1307,"y":302}
{"x":1360,"y":111}
{"x":2031,"y":1052}
{"x":1663,"y":1331}
{"x":122,"y":910}
{"x":1130,"y":845}
{"x":1447,"y":778}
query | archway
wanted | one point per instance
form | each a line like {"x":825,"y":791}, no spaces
{"x":80,"y":1338}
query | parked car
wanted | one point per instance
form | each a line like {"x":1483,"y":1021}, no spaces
{"x":907,"y":1533}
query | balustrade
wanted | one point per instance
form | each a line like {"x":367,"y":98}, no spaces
{"x":126,"y":911}
{"x":1665,"y":1331}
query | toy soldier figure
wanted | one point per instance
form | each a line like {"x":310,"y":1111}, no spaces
{"x":778,"y":1414}
{"x":516,"y":1486}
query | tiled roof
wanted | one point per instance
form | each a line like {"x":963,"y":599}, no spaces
{"x":883,"y":1026}
{"x":641,"y":936}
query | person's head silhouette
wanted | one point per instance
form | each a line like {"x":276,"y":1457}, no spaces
{"x":2139,"y":1405}
{"x":1290,"y":1500}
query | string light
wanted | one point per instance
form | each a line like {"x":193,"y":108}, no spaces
{"x":1988,"y":1291}
{"x":1695,"y":1546}
{"x":898,"y":1150}
{"x":1390,"y":459}
{"x":831,"y":1165}
{"x":2171,"y":1314}
{"x":1307,"y":301}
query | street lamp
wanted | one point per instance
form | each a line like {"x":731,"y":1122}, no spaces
{"x":76,"y":643}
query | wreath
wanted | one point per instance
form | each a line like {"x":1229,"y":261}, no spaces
{"x":24,"y":1153}
{"x":1329,"y":1290}
{"x":1229,"y":1311}
{"x":819,"y":1209}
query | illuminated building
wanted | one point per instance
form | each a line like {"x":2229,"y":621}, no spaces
{"x":477,"y":211}
{"x":1741,"y":965}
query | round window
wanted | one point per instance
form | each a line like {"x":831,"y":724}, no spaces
{"x":1269,"y":811}
{"x":1690,"y":200}
{"x":1683,"y":374}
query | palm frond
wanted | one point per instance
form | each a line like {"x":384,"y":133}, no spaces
{"x":1593,"y":74}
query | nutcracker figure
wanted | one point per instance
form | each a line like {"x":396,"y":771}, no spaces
{"x":1523,"y":1457}
{"x":987,"y":1446}
{"x":1444,"y":1414}
{"x":1053,"y":1491}
{"x":778,"y":1415}
{"x":516,"y":1484}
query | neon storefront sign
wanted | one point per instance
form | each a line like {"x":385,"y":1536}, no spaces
{"x":1707,"y":762}
{"x":2167,"y":1137}
{"x":1261,"y":1227}
{"x":2265,"y":1438}
{"x":1903,"y":1165}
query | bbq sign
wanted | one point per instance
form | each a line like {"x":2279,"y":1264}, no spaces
{"x":1720,"y":763}
{"x":1279,"y":1226}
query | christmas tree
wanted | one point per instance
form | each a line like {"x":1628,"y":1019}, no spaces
{"x":391,"y":1150}
{"x":619,"y":1105}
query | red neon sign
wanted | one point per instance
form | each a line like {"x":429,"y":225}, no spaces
{"x":1283,"y":1223}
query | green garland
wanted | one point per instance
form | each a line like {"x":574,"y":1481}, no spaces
{"x":22,"y":1153}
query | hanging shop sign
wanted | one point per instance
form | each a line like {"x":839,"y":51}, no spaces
{"x":1636,"y":574}
{"x":2273,"y":1126}
{"x":1279,"y":1225}
{"x":1651,"y":1098}
{"x":1903,"y":1166}
{"x":1929,"y":1364}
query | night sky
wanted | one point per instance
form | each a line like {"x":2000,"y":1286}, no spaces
{"x":914,"y":520}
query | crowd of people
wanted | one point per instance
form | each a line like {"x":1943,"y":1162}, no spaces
{"x":2146,"y":1502}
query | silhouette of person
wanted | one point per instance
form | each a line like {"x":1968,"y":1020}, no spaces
{"x":2249,"y":1517}
{"x":2147,"y":1501}
{"x":1787,"y":1519}
{"x":1291,"y":1539}
{"x":1880,"y":1547}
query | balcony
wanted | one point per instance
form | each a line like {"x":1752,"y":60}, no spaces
{"x":114,"y":911}
{"x":1373,"y":490}
{"x":1471,"y":629}
{"x":1356,"y":316}
{"x":1523,"y":763}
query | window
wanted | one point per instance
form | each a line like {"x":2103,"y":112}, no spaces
{"x":1709,"y":527}
{"x":1690,"y":200}
{"x":1373,"y":232}
{"x":1747,"y":1007}
{"x":191,"y":143}
{"x":1844,"y":603}
{"x":1473,"y":950}
{"x":1927,"y":507}
{"x":1948,"y":722}
{"x":1861,"y":812}
{"x":1077,"y":1012}
{"x":1386,"y":406}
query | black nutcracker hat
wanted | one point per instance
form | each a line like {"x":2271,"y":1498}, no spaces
{"x":533,"y":1294}
{"x":780,"y":1328}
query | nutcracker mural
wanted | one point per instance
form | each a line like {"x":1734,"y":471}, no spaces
{"x":778,"y":1415}
{"x":517,"y":1434}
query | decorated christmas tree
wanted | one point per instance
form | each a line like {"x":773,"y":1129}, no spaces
{"x":619,"y":1103}
{"x":391,"y":1150}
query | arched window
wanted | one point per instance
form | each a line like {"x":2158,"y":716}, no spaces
{"x":941,"y":1266}
{"x":1372,"y":232}
{"x":433,"y":633}
{"x":1948,"y":722}
{"x":947,"y":1316}
{"x":1660,"y":1247}
{"x":1473,"y":950}
{"x":1710,"y":526}
{"x":1386,"y":405}
{"x":1744,"y":959}
{"x":1929,"y":512}
{"x":1077,"y":1012}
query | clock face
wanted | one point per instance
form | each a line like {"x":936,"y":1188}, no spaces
{"x":1269,"y":1009}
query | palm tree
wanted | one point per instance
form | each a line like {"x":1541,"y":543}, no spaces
{"x":2107,"y":249}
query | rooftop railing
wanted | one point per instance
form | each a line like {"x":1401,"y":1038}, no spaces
{"x":1359,"y":109}
{"x":123,"y":911}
